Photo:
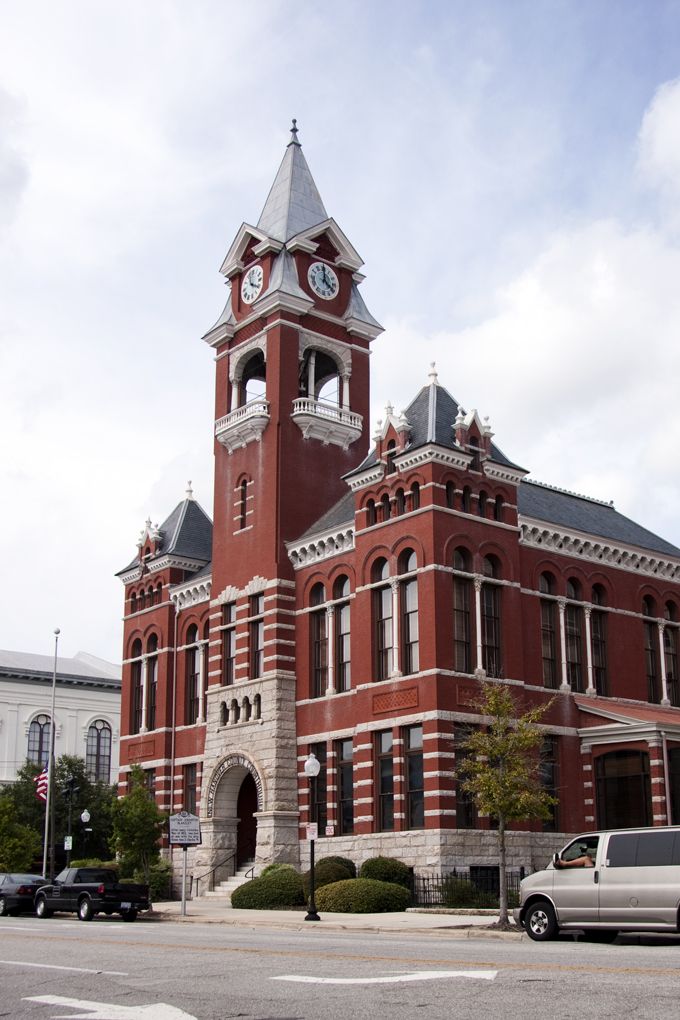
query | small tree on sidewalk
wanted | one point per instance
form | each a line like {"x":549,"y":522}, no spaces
{"x":138,"y":825}
{"x":501,"y":768}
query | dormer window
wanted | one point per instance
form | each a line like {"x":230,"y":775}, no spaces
{"x":391,"y":454}
{"x":476,"y":462}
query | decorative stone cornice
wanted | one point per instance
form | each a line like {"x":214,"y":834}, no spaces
{"x":503,"y":473}
{"x":321,"y":547}
{"x":190,"y":594}
{"x":256,"y":585}
{"x":368,"y":477}
{"x":541,"y":535}
{"x":432,"y":453}
{"x":183,"y":562}
{"x":228,"y":594}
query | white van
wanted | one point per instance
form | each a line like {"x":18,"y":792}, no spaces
{"x":624,"y":880}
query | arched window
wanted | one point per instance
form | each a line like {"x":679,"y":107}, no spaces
{"x":235,"y":711}
{"x":651,"y":644}
{"x":191,"y":672}
{"x":257,"y":707}
{"x":39,"y":740}
{"x":491,"y":618}
{"x":670,"y":650}
{"x":598,"y":640}
{"x":158,"y":594}
{"x":242,"y":504}
{"x":408,"y":600}
{"x":573,"y":625}
{"x":151,"y":680}
{"x":498,"y":508}
{"x":320,"y":378}
{"x":415,"y":496}
{"x":466,"y":499}
{"x":137,"y":688}
{"x":383,"y":621}
{"x":450,"y":495}
{"x":343,"y":671}
{"x":391,"y":454}
{"x":319,"y":642}
{"x":370,"y":513}
{"x":385,"y":508}
{"x":224,"y":713}
{"x":133,"y":602}
{"x":546,"y":586}
{"x":254,"y":379}
{"x":462,"y":595}
{"x":98,"y":753}
{"x":247,"y":710}
{"x":400,"y":502}
{"x":482,"y":503}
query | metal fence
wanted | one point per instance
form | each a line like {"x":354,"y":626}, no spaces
{"x":475,"y":886}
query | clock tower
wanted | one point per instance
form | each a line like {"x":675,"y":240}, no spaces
{"x":291,"y":418}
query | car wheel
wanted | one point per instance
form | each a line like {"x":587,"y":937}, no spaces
{"x":129,"y":915}
{"x":540,"y":921}
{"x":604,"y":935}
{"x":41,"y":908}
{"x":85,"y":910}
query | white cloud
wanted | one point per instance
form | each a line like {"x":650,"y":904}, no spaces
{"x":659,"y":146}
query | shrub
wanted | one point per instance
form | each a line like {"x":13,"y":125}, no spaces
{"x":325,"y":872}
{"x":386,"y":869}
{"x":160,"y":880}
{"x":275,"y":867}
{"x":281,"y":888}
{"x":95,"y":862}
{"x":458,"y":892}
{"x":345,"y":861}
{"x":362,"y":896}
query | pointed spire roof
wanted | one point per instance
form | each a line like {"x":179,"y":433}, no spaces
{"x":294,"y":203}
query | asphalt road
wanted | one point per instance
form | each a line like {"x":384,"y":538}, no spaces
{"x":108,"y":970}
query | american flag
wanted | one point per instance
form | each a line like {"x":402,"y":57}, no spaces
{"x":41,"y":782}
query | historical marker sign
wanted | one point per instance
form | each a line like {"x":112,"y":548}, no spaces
{"x":185,"y":829}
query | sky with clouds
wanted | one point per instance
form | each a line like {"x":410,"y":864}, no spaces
{"x":510,"y":173}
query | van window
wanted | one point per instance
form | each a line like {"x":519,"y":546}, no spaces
{"x":582,"y":845}
{"x":644,"y":849}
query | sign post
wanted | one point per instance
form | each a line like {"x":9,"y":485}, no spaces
{"x":185,"y":831}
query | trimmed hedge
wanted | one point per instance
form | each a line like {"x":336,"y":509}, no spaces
{"x":350,"y":866}
{"x":325,"y":872}
{"x":275,"y":867}
{"x":460,"y":892}
{"x":386,"y":869}
{"x":362,"y":896}
{"x":280,"y":888}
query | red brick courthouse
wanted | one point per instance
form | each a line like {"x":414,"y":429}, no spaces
{"x":352,"y":587}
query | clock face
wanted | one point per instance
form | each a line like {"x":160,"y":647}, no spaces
{"x":322,"y":280}
{"x":252,"y":284}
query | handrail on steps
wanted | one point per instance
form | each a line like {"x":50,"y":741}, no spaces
{"x":250,"y":873}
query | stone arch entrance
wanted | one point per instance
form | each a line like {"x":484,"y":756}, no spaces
{"x":233,"y":799}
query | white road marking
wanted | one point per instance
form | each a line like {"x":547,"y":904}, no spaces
{"x":54,"y":966}
{"x":110,"y":1011}
{"x":420,"y":975}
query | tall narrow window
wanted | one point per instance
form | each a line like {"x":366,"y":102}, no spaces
{"x":573,"y":624}
{"x":670,"y":650}
{"x":598,"y":641}
{"x":382,"y":610}
{"x":409,"y":614}
{"x":466,"y":499}
{"x":319,"y":790}
{"x":399,"y":502}
{"x":549,"y":772}
{"x":345,"y":787}
{"x":498,"y":508}
{"x":137,"y":692}
{"x":39,"y":740}
{"x":415,"y":496}
{"x":343,"y":665}
{"x":319,"y":643}
{"x":98,"y":751}
{"x":466,"y":810}
{"x":385,"y":508}
{"x":228,"y":643}
{"x":651,"y":640}
{"x":256,"y":636}
{"x":462,"y":588}
{"x":391,"y":454}
{"x":491,"y":619}
{"x":476,"y":462}
{"x":482,"y":504}
{"x":450,"y":495}
{"x":191,"y":672}
{"x":415,"y":794}
{"x":152,"y":681}
{"x":190,"y":788}
{"x":242,"y":504}
{"x":546,"y":586}
{"x":370,"y":513}
{"x":385,"y":777}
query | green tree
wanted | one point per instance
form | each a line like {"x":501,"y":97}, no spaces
{"x":137,"y":826}
{"x":19,"y":844}
{"x":501,"y":768}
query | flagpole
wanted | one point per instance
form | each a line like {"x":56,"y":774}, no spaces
{"x":50,"y":767}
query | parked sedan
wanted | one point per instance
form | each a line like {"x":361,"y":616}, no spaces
{"x":17,"y":891}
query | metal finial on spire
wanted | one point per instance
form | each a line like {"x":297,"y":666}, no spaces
{"x":189,"y":491}
{"x":432,"y":375}
{"x":294,"y":133}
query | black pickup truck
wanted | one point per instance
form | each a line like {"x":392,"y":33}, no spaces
{"x":90,"y":891}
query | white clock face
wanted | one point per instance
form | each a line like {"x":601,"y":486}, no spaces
{"x":252,"y":284}
{"x":322,"y":280}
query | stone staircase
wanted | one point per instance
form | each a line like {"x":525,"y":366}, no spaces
{"x":223,"y":890}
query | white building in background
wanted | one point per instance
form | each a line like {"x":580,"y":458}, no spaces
{"x":87,"y":712}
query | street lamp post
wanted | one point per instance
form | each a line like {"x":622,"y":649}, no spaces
{"x":312,"y":769}
{"x":85,"y":817}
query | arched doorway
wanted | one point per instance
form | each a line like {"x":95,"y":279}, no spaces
{"x":246,"y":830}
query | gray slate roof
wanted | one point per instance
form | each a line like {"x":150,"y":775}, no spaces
{"x":294,"y":203}
{"x":80,"y":669}
{"x":187,"y":532}
{"x":579,"y":513}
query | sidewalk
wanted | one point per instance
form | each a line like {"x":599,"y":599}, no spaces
{"x":454,"y":924}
